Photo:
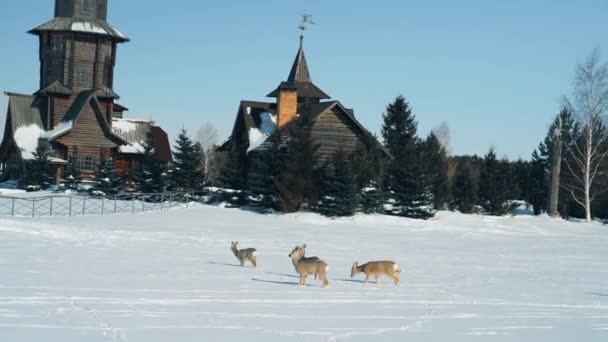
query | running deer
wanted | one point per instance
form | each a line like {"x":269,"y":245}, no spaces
{"x":301,"y":251}
{"x":306,"y":266}
{"x":376,"y":269}
{"x":243,"y":255}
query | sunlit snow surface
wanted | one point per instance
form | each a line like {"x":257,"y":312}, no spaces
{"x":171,"y":277}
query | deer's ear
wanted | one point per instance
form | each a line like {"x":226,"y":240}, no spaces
{"x":304,"y":246}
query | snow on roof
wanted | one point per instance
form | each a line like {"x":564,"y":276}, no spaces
{"x":92,"y":27}
{"x":132,"y":148}
{"x":27,"y":138}
{"x":126,"y":125}
{"x":58,"y":131}
{"x":257,"y":136}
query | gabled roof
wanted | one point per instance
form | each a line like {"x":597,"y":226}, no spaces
{"x":106,"y":93}
{"x":55,"y":88}
{"x":82,"y":25}
{"x":73,"y":114}
{"x":25,"y":123}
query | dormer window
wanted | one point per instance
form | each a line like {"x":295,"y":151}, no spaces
{"x":85,"y":7}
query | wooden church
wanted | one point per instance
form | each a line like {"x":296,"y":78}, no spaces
{"x":75,"y":109}
{"x":334,"y":126}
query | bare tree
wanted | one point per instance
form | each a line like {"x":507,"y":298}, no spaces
{"x":556,"y":170}
{"x":208,"y":137}
{"x":587,"y":157}
{"x":442,"y":132}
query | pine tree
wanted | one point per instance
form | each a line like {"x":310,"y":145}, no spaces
{"x":408,"y":189}
{"x":263,"y":170}
{"x":464,"y":190}
{"x":495,"y":185}
{"x":38,"y":174}
{"x":187,"y":170}
{"x":107,"y":181}
{"x":338,"y":197}
{"x":72,"y":172}
{"x":537,"y":191}
{"x":297,"y":182}
{"x":371,"y":198}
{"x":435,"y":162}
{"x":151,"y":176}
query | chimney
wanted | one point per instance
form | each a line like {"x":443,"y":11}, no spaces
{"x":287,"y":104}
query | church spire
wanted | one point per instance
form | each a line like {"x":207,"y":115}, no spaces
{"x":299,"y":70}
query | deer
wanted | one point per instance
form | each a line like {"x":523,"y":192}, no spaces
{"x":243,"y":255}
{"x":301,"y":251}
{"x":306,"y":266}
{"x":376,"y":269}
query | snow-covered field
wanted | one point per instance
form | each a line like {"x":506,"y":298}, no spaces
{"x":171,"y":277}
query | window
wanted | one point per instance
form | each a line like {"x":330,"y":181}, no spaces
{"x":85,"y":7}
{"x":88,"y":163}
{"x":83,"y":78}
{"x":57,"y":44}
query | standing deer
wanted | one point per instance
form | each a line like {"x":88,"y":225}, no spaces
{"x":301,"y":251}
{"x":243,"y":255}
{"x":376,"y":269}
{"x":306,"y":266}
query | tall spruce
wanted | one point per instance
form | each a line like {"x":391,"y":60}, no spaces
{"x":151,"y":176}
{"x":435,"y":161}
{"x":338,"y":196}
{"x":187,"y":170}
{"x":73,"y":175}
{"x":38,"y":175}
{"x":537,"y":191}
{"x":465,"y":189}
{"x":263,"y":170}
{"x":409,"y":193}
{"x":106,"y":180}
{"x":495,"y":185}
{"x":297,"y":183}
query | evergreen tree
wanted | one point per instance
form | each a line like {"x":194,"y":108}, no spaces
{"x":107,"y":181}
{"x":435,"y":161}
{"x":72,"y":172}
{"x":38,"y":175}
{"x":371,"y":198}
{"x":537,"y":191}
{"x":542,"y":156}
{"x":464,"y":190}
{"x":409,"y":192}
{"x":297,"y":182}
{"x":339,"y":191}
{"x":187,"y":170}
{"x":151,"y":176}
{"x":263,"y":170}
{"x":494,"y":187}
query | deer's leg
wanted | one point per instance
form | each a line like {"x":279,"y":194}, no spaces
{"x":254,"y":262}
{"x":377,"y":278}
{"x":366,"y":279}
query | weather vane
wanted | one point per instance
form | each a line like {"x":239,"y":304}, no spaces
{"x":305,"y":21}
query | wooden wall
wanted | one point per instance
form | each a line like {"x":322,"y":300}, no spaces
{"x":334,"y":133}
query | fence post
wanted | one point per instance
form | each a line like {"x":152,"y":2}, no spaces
{"x":84,"y":205}
{"x":103,"y":202}
{"x":133,"y":203}
{"x":143,"y":202}
{"x":70,"y":205}
{"x":115,"y":201}
{"x":34,"y":208}
{"x":170,"y":200}
{"x":51,"y":210}
{"x":187,"y":200}
{"x":162,"y":201}
{"x":13,"y":208}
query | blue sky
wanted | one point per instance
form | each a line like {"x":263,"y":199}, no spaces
{"x":494,"y":71}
